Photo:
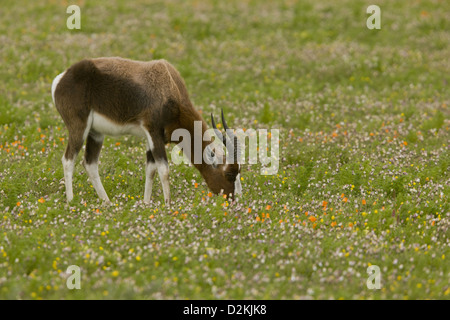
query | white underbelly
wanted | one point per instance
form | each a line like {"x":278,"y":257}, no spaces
{"x":105,"y":126}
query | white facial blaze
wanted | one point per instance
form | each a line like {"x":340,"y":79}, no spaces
{"x":237,"y":184}
{"x":213,"y":155}
{"x":214,"y":148}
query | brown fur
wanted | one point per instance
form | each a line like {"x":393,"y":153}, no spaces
{"x":131,"y":92}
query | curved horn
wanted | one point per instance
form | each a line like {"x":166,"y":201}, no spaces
{"x":217,"y":131}
{"x":232,"y":137}
{"x":227,"y":130}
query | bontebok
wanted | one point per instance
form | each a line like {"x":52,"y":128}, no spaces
{"x":115,"y":96}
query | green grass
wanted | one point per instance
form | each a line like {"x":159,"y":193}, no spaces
{"x":364,"y":161}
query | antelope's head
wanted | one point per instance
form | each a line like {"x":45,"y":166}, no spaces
{"x":224,"y":171}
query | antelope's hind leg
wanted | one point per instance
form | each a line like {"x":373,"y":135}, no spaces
{"x":93,"y":147}
{"x":76,"y":140}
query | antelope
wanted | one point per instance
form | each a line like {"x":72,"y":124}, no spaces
{"x":115,"y":96}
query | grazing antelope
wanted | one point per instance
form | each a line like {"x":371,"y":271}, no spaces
{"x":116,"y":96}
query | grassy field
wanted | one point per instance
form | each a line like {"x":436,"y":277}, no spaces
{"x":364,"y":153}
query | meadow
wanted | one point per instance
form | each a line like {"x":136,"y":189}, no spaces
{"x":364,"y":159}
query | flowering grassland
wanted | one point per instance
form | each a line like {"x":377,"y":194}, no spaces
{"x":364,"y":154}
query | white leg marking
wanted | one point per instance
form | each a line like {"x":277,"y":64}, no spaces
{"x":150,"y":145}
{"x":55,"y":84}
{"x":68,"y":166}
{"x":94,"y":177}
{"x":163,"y":171}
{"x":150,"y":168}
{"x":150,"y":171}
